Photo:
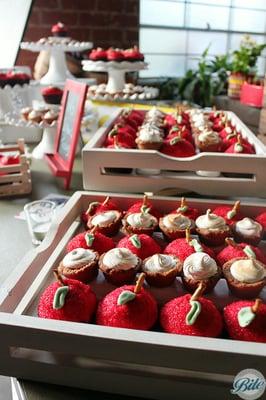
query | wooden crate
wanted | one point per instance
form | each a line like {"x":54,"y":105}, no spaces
{"x":15,"y":179}
{"x":154,"y":365}
{"x":152,"y":171}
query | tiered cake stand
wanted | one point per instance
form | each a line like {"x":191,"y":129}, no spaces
{"x":116,"y":76}
{"x":58,"y":71}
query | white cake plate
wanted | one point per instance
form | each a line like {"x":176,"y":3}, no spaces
{"x":58,"y":71}
{"x":116,"y":71}
{"x":147,"y":93}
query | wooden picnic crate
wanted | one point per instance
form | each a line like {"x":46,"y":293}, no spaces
{"x":15,"y":179}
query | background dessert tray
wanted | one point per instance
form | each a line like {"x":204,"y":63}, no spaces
{"x":138,"y":363}
{"x":150,"y":170}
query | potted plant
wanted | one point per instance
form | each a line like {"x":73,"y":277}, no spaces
{"x":243,"y":65}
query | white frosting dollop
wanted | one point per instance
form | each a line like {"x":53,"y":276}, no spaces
{"x":159,"y":263}
{"x":210,"y":221}
{"x":78,"y":257}
{"x":177,"y":221}
{"x":150,"y":135}
{"x":105,"y":218}
{"x":209,"y":136}
{"x":120,"y":258}
{"x":141,"y":220}
{"x":248,"y":227}
{"x":248,"y":270}
{"x":199,"y":266}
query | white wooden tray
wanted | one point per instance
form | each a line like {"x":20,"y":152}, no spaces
{"x":154,"y":171}
{"x":148,"y":364}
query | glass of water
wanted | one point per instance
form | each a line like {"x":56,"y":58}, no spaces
{"x":39,"y":215}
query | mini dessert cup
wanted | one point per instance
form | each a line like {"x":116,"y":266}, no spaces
{"x":247,"y":230}
{"x":212,"y":229}
{"x":245,"y":277}
{"x":108,"y":222}
{"x":25,"y":113}
{"x":161,"y":269}
{"x":208,"y":140}
{"x":200,"y":268}
{"x":149,"y":139}
{"x":175,"y":225}
{"x":119,"y":266}
{"x":141,"y":222}
{"x":80,"y":264}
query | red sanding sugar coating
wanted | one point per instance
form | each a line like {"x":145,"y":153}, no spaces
{"x":182,"y":148}
{"x":222,"y":211}
{"x":80,"y":302}
{"x":173,"y":318}
{"x":255,"y":332}
{"x":181,"y":249}
{"x":261,"y":219}
{"x":230,"y":252}
{"x":137,"y":207}
{"x":148,"y":246}
{"x":140,"y":313}
{"x":101,"y":243}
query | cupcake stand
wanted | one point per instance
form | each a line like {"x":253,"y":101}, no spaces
{"x":58,"y":71}
{"x":115,"y":88}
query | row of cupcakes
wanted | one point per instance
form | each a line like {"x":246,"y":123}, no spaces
{"x":118,"y":55}
{"x":133,"y":307}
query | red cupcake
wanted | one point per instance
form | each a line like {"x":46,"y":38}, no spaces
{"x":52,"y":95}
{"x":91,"y":240}
{"x":133,"y":54}
{"x":96,"y":206}
{"x":59,"y":30}
{"x":229,"y":213}
{"x":67,"y":300}
{"x":246,"y":320}
{"x":261,"y":219}
{"x":121,"y":135}
{"x":142,"y":245}
{"x":98,"y":54}
{"x":177,"y":147}
{"x":240,"y":147}
{"x":191,"y":315}
{"x":115,"y":55}
{"x":130,"y":307}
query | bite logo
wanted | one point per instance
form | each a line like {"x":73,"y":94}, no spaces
{"x":249,"y":384}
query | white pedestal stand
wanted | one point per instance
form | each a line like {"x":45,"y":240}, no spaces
{"x":47,"y":144}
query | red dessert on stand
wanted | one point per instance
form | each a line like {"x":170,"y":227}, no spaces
{"x":133,"y":54}
{"x":115,"y":55}
{"x":142,"y":245}
{"x":98,"y":54}
{"x":59,"y":30}
{"x":52,"y":95}
{"x":240,"y":147}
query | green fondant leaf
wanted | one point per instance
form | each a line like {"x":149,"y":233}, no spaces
{"x":196,"y":245}
{"x":135,"y":241}
{"x":182,"y":209}
{"x":145,"y":209}
{"x":175,"y":140}
{"x":60,"y":297}
{"x":245,"y":316}
{"x":89,"y":238}
{"x":249,"y":252}
{"x":193,"y":312}
{"x":231,"y":214}
{"x":125,"y":297}
{"x":238,"y":148}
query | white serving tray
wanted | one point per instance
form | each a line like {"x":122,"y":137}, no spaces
{"x":170,"y":172}
{"x":138,"y":363}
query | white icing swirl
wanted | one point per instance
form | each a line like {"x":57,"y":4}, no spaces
{"x":141,"y":220}
{"x":248,"y":270}
{"x":210,"y":221}
{"x":105,"y":218}
{"x":78,"y":257}
{"x":248,"y":227}
{"x":177,"y":221}
{"x":150,"y":135}
{"x":199,"y":266}
{"x":159,"y":263}
{"x":120,"y":258}
{"x":209,"y":136}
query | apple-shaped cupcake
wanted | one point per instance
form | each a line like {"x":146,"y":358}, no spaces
{"x":91,"y":240}
{"x":212,"y":229}
{"x":97,"y":206}
{"x":177,"y":147}
{"x":175,"y":225}
{"x":240,"y":147}
{"x":230,"y":214}
{"x":191,"y":315}
{"x":80,"y":264}
{"x":261,"y":219}
{"x":142,"y":245}
{"x":247,"y":230}
{"x":143,"y":206}
{"x":107,"y":222}
{"x":208,"y":140}
{"x":67,"y":300}
{"x":139,"y":222}
{"x":121,"y":135}
{"x":246,"y":320}
{"x":129,"y":306}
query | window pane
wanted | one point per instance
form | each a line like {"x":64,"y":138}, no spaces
{"x":164,"y":65}
{"x":261,"y":66}
{"x":248,"y":20}
{"x":199,"y":41}
{"x":250,"y":4}
{"x":207,"y":17}
{"x":167,"y":13}
{"x":162,"y":41}
{"x":213,"y":2}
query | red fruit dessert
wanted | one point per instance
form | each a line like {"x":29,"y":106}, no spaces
{"x":59,"y":30}
{"x":247,"y":230}
{"x":115,"y":55}
{"x":246,"y":320}
{"x":240,"y":147}
{"x":200,"y":267}
{"x":184,"y":133}
{"x":126,"y":119}
{"x":182,"y":248}
{"x":180,"y":119}
{"x":229,"y":213}
{"x":161,"y":269}
{"x":261,"y":219}
{"x":143,"y":206}
{"x":118,"y":146}
{"x":67,"y":300}
{"x":129,"y":306}
{"x":119,"y":265}
{"x":9,"y":160}
{"x":126,"y":129}
{"x":97,"y":207}
{"x":245,"y":276}
{"x":235,"y":250}
{"x":191,"y":315}
{"x":52,"y":95}
{"x":121,"y":136}
{"x":98,"y":54}
{"x":133,"y":54}
{"x":187,"y":210}
{"x":177,"y":147}
{"x":80,"y":264}
{"x":91,"y":240}
{"x":175,"y":225}
{"x":142,"y":245}
{"x":212,"y":229}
